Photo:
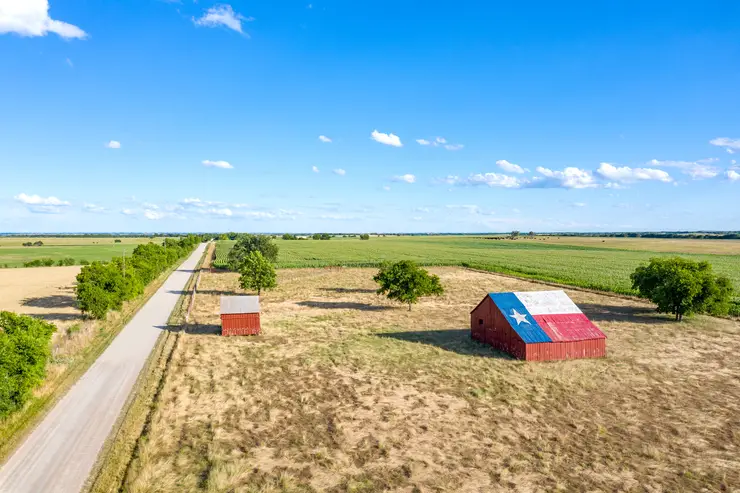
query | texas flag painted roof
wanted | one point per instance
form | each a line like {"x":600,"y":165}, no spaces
{"x":545,"y":316}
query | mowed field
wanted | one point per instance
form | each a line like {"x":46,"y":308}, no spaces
{"x":584,"y":263}
{"x":13,"y":254}
{"x":346,"y":392}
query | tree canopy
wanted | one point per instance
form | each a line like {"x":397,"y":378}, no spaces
{"x":251,"y":243}
{"x":406,"y":282}
{"x":682,"y":287}
{"x":257,"y":273}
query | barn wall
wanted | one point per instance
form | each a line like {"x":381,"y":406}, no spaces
{"x":240,"y":324}
{"x":591,"y":348}
{"x":495,"y":329}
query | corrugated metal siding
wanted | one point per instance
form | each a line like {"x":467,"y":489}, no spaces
{"x":240,"y":324}
{"x":594,"y":348}
{"x":576,"y":327}
{"x":511,"y":306}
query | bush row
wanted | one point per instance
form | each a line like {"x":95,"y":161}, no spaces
{"x":103,"y":286}
{"x":48,"y":262}
{"x":24,"y":352}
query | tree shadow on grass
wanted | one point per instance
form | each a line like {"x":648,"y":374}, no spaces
{"x":350,"y":290}
{"x":345,"y":305}
{"x":454,"y":340}
{"x":619,"y":313}
{"x":215,"y":292}
{"x":57,"y":317}
{"x":53,"y":301}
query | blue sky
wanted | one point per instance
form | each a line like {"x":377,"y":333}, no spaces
{"x":148,"y":115}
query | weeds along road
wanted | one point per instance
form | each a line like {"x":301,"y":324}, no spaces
{"x":60,"y":453}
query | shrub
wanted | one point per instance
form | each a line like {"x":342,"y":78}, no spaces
{"x":364,"y":236}
{"x":288,"y":236}
{"x":66,"y":262}
{"x":84,"y":262}
{"x":321,"y":236}
{"x":682,"y":287}
{"x":24,"y":352}
{"x":116,"y":241}
{"x":406,"y":282}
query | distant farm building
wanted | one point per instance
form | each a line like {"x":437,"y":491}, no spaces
{"x":240,"y":315}
{"x":536,"y":325}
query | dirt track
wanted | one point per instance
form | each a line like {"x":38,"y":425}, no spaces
{"x":61,"y":451}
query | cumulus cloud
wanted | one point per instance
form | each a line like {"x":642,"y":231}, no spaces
{"x":732,"y":175}
{"x":31,"y":18}
{"x":731,"y":145}
{"x":454,"y":147}
{"x":387,"y":139}
{"x":340,"y":172}
{"x":217,"y":164}
{"x":491,"y":179}
{"x":421,"y":209}
{"x":440,"y":142}
{"x":113,"y":144}
{"x":695,"y":169}
{"x":386,"y":188}
{"x":510,"y":167}
{"x":625,"y":174}
{"x":423,"y":142}
{"x":154,"y":215}
{"x":222,"y":15}
{"x":93,"y":208}
{"x":128,"y":212}
{"x":315,"y":169}
{"x":568,"y":178}
{"x":470,"y":209}
{"x":408,"y":178}
{"x":42,"y":205}
{"x":579,"y":204}
{"x":220,"y":212}
{"x":325,"y":139}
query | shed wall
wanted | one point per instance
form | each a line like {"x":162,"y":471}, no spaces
{"x":240,"y":324}
{"x":495,"y":329}
{"x":590,"y":348}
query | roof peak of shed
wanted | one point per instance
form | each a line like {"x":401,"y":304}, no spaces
{"x":240,"y":304}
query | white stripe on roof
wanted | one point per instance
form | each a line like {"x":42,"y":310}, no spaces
{"x":547,"y":302}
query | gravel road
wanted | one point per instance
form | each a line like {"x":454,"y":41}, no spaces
{"x":60,"y":453}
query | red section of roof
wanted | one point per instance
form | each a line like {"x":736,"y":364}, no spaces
{"x":569,"y":327}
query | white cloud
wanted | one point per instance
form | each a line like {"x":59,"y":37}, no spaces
{"x":731,"y":145}
{"x":454,"y":147}
{"x":510,"y":167}
{"x":408,"y":178}
{"x":614,"y":186}
{"x":579,"y":204}
{"x":153,"y":215}
{"x":386,"y":188}
{"x":222,"y":212}
{"x":325,"y":139}
{"x":625,"y":174}
{"x":568,"y":178}
{"x":387,"y":139}
{"x":217,"y":164}
{"x":222,"y":15}
{"x":128,"y":212}
{"x":733,"y":162}
{"x":471,"y":209}
{"x":113,"y":144}
{"x":42,"y":205}
{"x":417,"y":218}
{"x":732,"y":175}
{"x":315,"y":169}
{"x":695,"y":169}
{"x":149,"y":205}
{"x":31,"y":18}
{"x":193,"y":202}
{"x":93,"y":208}
{"x":440,"y":140}
{"x":337,"y":217}
{"x":421,"y":209}
{"x":490,"y":179}
{"x":423,"y":142}
{"x":340,"y":172}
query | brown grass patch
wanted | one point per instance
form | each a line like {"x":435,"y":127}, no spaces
{"x":346,"y":392}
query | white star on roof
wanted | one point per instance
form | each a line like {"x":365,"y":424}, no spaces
{"x":519,"y":317}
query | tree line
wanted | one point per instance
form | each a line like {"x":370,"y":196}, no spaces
{"x":104,"y":286}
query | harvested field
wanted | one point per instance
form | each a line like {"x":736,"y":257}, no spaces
{"x":346,"y":392}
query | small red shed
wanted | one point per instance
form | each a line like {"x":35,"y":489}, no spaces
{"x":536,"y":325}
{"x":240,"y":315}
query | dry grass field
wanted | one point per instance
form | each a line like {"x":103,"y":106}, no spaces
{"x":345,"y":392}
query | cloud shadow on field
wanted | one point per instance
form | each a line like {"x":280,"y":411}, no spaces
{"x":53,"y":301}
{"x":345,"y":305}
{"x":622,"y":313}
{"x":454,"y":340}
{"x":349,"y":290}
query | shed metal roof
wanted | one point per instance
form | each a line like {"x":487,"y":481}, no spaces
{"x":240,"y":304}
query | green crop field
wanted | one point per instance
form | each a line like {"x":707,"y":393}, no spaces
{"x":13,"y":254}
{"x":595,"y":267}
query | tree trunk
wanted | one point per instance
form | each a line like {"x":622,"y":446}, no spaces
{"x":259,"y":291}
{"x":409,"y":306}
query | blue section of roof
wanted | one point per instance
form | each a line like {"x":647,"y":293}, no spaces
{"x":519,"y":318}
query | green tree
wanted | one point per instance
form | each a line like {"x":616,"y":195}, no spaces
{"x":364,"y":236}
{"x":257,"y":273}
{"x":682,"y":287}
{"x":406,"y":282}
{"x":247,"y":244}
{"x":288,"y":236}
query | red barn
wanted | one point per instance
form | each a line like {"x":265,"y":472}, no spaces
{"x":536,"y":325}
{"x":240,"y":315}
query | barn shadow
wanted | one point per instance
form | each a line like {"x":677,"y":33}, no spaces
{"x":350,"y":290}
{"x":344,"y":305}
{"x":194,"y":329}
{"x":454,"y":340}
{"x":597,"y":312}
{"x":53,"y":301}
